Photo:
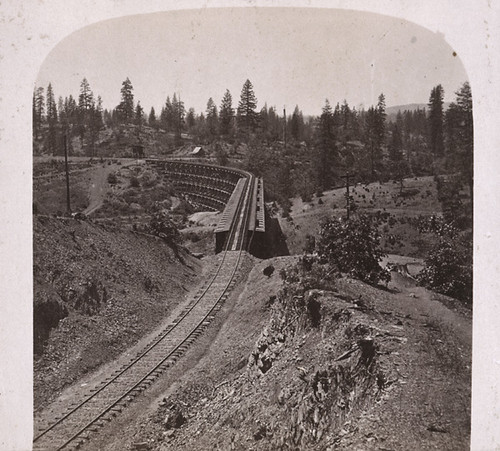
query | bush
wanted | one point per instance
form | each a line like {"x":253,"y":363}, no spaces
{"x":148,"y":180}
{"x":353,"y":247}
{"x":184,"y":208}
{"x":161,"y":225}
{"x":134,"y":182}
{"x":193,"y":237}
{"x":112,"y":178}
{"x":448,"y":269}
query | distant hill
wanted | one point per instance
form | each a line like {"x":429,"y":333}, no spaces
{"x":392,"y":111}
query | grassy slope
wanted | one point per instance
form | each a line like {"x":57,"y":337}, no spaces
{"x":306,"y":217}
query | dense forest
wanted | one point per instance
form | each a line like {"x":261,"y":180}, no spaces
{"x":305,"y":154}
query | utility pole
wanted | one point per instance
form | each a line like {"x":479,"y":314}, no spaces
{"x":346,"y":177}
{"x":68,"y":204}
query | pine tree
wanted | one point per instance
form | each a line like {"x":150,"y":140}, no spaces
{"x":179,"y":113}
{"x":167,"y":115}
{"x":85,"y":109}
{"x":95,"y":124}
{"x":226,"y":114}
{"x":396,"y":144}
{"x":371,"y":138}
{"x":51,"y":120}
{"x":98,"y":115}
{"x":190,"y":119}
{"x":86,"y":97}
{"x":436,"y":121}
{"x":139,"y":115}
{"x":375,"y":134}
{"x":38,"y":111}
{"x":380,"y":121}
{"x":264,"y":120}
{"x":138,"y":120}
{"x":212,"y":119}
{"x":296,"y":124}
{"x":152,"y":122}
{"x":247,"y":117}
{"x":274,"y":125}
{"x":61,"y":111}
{"x":93,"y":128}
{"x":126,"y":107}
{"x":460,"y":134}
{"x":326,"y":149}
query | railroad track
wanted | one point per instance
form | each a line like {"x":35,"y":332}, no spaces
{"x":105,"y":400}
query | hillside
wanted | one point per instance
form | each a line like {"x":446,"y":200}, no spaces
{"x":296,"y":359}
{"x":418,"y":198}
{"x":366,"y":368}
{"x":392,"y":111}
{"x":97,"y":290}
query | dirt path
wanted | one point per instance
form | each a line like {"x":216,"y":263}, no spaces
{"x":98,"y":188}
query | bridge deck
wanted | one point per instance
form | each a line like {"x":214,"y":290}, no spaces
{"x":257,"y":216}
{"x":228,"y":215}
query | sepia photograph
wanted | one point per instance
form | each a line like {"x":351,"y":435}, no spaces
{"x":253,"y":228}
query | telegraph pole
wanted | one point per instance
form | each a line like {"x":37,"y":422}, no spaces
{"x":346,"y":177}
{"x":68,"y":204}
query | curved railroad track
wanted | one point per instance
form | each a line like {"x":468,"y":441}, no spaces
{"x":108,"y":398}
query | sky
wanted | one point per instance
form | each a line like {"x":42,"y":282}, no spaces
{"x":292,"y":56}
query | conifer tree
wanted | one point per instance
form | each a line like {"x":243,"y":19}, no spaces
{"x":460,"y":134}
{"x":380,"y":121}
{"x":190,"y":119}
{"x":375,"y":134}
{"x":139,"y":113}
{"x":436,"y":121}
{"x":212,"y":119}
{"x":326,"y":154}
{"x":126,"y":107}
{"x":86,"y":97}
{"x":38,"y":111}
{"x":51,"y":120}
{"x":152,"y":122}
{"x":226,"y":114}
{"x":179,"y":114}
{"x":247,"y":116}
{"x":297,"y":124}
{"x":167,"y":115}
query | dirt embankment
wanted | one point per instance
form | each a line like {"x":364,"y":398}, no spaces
{"x":97,"y":290}
{"x":349,"y":366}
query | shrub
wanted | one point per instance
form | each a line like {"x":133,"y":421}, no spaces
{"x":148,"y":180}
{"x":193,"y":237}
{"x":161,"y":225}
{"x":134,"y":182}
{"x":112,"y":178}
{"x":353,"y":247}
{"x":184,"y":208}
{"x":448,"y":268}
{"x":310,"y":244}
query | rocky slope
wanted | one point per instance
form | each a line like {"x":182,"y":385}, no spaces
{"x":97,"y":290}
{"x":319,"y":364}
